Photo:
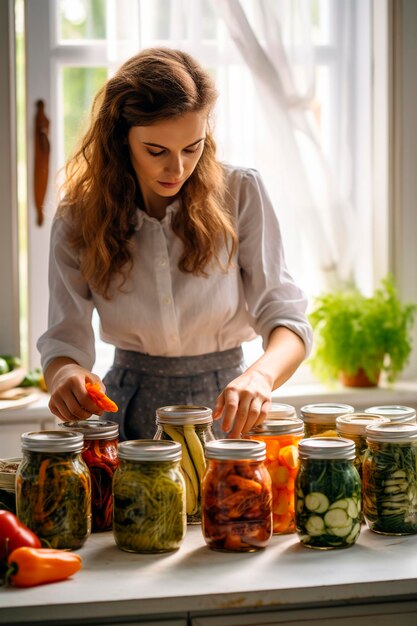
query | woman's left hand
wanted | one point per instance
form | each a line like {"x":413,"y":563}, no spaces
{"x":244,"y":403}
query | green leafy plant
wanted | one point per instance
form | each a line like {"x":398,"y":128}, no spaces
{"x":353,"y":333}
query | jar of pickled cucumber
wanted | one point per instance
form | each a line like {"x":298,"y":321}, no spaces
{"x":236,"y":496}
{"x":53,"y":488}
{"x":149,"y":497}
{"x":353,"y":426}
{"x":191,"y":426}
{"x":328,"y":494}
{"x":100,"y":454}
{"x":281,"y":437}
{"x":280,"y":410}
{"x":395,"y":413}
{"x":389,"y":483}
{"x":320,"y":419}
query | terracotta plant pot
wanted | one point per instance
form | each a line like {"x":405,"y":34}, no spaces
{"x":359,"y":379}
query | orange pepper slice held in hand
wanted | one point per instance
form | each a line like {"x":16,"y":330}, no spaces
{"x":103,"y":402}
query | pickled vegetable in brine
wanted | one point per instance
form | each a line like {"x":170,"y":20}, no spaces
{"x":53,"y":495}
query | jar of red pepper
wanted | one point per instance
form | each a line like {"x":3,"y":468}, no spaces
{"x":236,"y":497}
{"x":100,"y":455}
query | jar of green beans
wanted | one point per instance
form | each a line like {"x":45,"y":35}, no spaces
{"x":53,"y":488}
{"x":390,"y":479}
{"x":149,"y":497}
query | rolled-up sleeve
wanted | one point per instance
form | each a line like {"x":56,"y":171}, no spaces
{"x":273,"y":298}
{"x":70,"y":333}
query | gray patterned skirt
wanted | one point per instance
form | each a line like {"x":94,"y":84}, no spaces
{"x":140,"y":383}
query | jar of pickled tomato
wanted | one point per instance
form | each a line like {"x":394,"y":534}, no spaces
{"x":236,"y":496}
{"x":191,"y":426}
{"x":53,"y":488}
{"x":281,"y":437}
{"x":389,"y":479}
{"x":353,"y":426}
{"x":100,"y":454}
{"x":320,"y":419}
{"x":149,"y":497}
{"x":328,"y":493}
{"x":395,"y":413}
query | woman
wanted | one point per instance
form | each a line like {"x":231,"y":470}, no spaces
{"x":180,"y":255}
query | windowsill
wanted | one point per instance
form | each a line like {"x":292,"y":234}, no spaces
{"x":404,"y":393}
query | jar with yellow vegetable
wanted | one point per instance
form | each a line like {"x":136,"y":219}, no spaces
{"x":320,"y":419}
{"x":191,"y":427}
{"x":149,"y":497}
{"x":281,"y":437}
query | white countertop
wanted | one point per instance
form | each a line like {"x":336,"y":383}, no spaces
{"x":195,"y":578}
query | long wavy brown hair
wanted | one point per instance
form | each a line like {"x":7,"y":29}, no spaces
{"x":101,"y":192}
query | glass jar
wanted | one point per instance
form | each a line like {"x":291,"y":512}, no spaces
{"x":328,"y":494}
{"x":236,"y":496}
{"x":191,"y":426}
{"x":279,"y":411}
{"x":396,"y":414}
{"x":100,"y":454}
{"x":53,"y":488}
{"x":281,"y":438}
{"x":353,"y":426}
{"x":320,"y":419}
{"x":8,"y":468}
{"x":390,"y":479}
{"x":149,"y":497}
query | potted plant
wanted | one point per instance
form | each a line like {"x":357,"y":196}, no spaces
{"x":357,"y":337}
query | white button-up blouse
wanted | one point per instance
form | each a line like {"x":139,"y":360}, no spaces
{"x":162,"y":311}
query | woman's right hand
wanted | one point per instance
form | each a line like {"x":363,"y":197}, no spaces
{"x":69,"y":400}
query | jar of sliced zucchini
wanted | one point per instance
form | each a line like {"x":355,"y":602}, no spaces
{"x":353,"y":426}
{"x":149,"y":497}
{"x":191,"y":427}
{"x":390,"y":479}
{"x":320,"y":419}
{"x":328,"y":493}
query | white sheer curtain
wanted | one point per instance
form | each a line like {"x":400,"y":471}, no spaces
{"x":310,"y":200}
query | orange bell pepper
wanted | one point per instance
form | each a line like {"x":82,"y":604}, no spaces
{"x":36,"y":566}
{"x":103,"y":402}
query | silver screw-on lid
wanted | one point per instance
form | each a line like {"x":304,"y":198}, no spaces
{"x":331,"y":448}
{"x":236,"y":450}
{"x":152,"y":450}
{"x":52,"y":441}
{"x":93,"y":428}
{"x":187,"y":414}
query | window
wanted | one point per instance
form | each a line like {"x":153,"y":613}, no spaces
{"x":73,"y":45}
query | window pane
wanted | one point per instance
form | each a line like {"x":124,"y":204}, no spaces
{"x":82,"y":19}
{"x":79,"y":86}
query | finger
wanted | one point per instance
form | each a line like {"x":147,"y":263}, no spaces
{"x":253,"y":415}
{"x":218,"y":407}
{"x":231,"y":404}
{"x":241,"y":415}
{"x":70,"y":408}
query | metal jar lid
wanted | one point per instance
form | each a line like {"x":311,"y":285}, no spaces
{"x":236,"y":450}
{"x":52,"y":441}
{"x":187,"y":414}
{"x":284,"y":426}
{"x":152,"y":450}
{"x":278,"y":411}
{"x":356,"y":423}
{"x":324,"y":412}
{"x":330,"y":448}
{"x":93,"y":428}
{"x":395,"y":413}
{"x":392,"y":433}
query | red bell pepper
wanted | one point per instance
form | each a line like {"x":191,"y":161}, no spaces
{"x":29,"y":567}
{"x":14,"y":534}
